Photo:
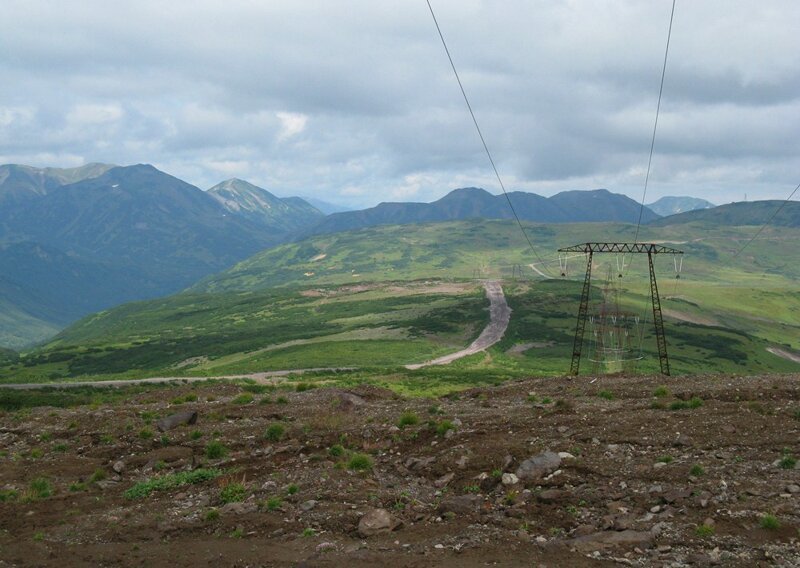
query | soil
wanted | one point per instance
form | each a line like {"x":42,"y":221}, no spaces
{"x":628,"y":495}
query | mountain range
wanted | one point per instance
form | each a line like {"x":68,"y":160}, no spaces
{"x":599,"y":205}
{"x":80,"y":240}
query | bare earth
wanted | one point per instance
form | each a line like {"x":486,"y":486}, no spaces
{"x":499,"y":316}
{"x":626,"y":494}
{"x":784,"y":354}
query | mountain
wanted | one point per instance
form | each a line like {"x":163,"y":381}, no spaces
{"x":739,"y":214}
{"x":326,"y":206}
{"x":258,"y":205}
{"x":672,"y":205}
{"x":598,"y":205}
{"x":69,"y":248}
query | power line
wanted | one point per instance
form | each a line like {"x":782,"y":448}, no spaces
{"x":764,"y":226}
{"x":480,"y":134}
{"x":655,"y":125}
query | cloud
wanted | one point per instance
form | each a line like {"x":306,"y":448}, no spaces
{"x":355,"y":100}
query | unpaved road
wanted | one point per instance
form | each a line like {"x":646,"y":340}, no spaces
{"x":499,"y":316}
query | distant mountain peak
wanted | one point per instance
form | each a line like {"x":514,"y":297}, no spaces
{"x":671,"y":205}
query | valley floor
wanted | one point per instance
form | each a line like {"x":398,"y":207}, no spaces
{"x":699,"y":471}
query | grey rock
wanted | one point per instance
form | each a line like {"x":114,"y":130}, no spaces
{"x":308,"y":505}
{"x":377,"y":521}
{"x":552,"y":496}
{"x":239,"y":508}
{"x":510,"y":479}
{"x":538,"y":466}
{"x":444,"y":480}
{"x":175,"y":420}
{"x":349,"y":401}
{"x":460,"y":504}
{"x":119,"y":466}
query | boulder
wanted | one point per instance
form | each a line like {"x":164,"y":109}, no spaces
{"x":538,"y":466}
{"x":175,"y":420}
{"x":461,"y":504}
{"x":377,"y":521}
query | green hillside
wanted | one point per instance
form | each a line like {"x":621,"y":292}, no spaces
{"x":380,"y":298}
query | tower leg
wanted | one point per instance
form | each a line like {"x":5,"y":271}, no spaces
{"x":580,"y":327}
{"x":658,"y":320}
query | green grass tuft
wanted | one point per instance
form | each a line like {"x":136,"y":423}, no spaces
{"x":170,"y":481}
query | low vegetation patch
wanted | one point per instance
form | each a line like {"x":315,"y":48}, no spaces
{"x":275,"y":432}
{"x":360,"y":462}
{"x":216,"y":450}
{"x":408,"y":419}
{"x":171,"y":481}
{"x":233,"y":493}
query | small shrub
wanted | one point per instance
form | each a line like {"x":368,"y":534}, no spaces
{"x":661,"y":392}
{"x":497,"y":474}
{"x":36,"y":453}
{"x":274,"y":503}
{"x":212,"y":515}
{"x":216,"y":450}
{"x":244,"y":398}
{"x":408,"y":419}
{"x":8,"y":495}
{"x":60,"y":448}
{"x":532,"y":398}
{"x":360,"y":462}
{"x":292,"y":489}
{"x":159,"y":465}
{"x":98,"y":475}
{"x":697,"y":470}
{"x":196,"y":435}
{"x":704,"y":531}
{"x":38,"y":537}
{"x":679,"y":405}
{"x":472,"y":489}
{"x":309,"y":532}
{"x":787,"y":462}
{"x":282,"y":400}
{"x":46,"y":437}
{"x":164,"y":440}
{"x":665,"y":459}
{"x":233,"y":493}
{"x":656,"y":405}
{"x":145,"y":434}
{"x":436,"y":409}
{"x":443,"y":426}
{"x":237,"y":533}
{"x":607,"y":395}
{"x":39,"y":488}
{"x":265,"y":400}
{"x":336,"y":450}
{"x":547,"y":400}
{"x":302,"y":387}
{"x":191,"y":397}
{"x":695,"y":402}
{"x":275,"y":432}
{"x":770,"y":522}
{"x":77,"y":486}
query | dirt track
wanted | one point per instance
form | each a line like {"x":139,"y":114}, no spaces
{"x":638,"y":481}
{"x":499,"y":316}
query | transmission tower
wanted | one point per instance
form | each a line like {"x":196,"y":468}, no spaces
{"x":625,"y":248}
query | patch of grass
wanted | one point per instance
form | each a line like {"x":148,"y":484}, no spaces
{"x":408,"y":418}
{"x":275,"y":432}
{"x":145,"y":434}
{"x":697,"y":470}
{"x":216,"y":450}
{"x":787,"y":462}
{"x":292,"y":489}
{"x":233,"y":493}
{"x":244,"y":398}
{"x":39,"y":488}
{"x":336,"y":450}
{"x":237,"y":533}
{"x":769,"y":522}
{"x":309,"y":532}
{"x":282,"y":400}
{"x":303,"y":387}
{"x":360,"y":462}
{"x":443,"y":426}
{"x":98,"y":475}
{"x":665,"y":459}
{"x":170,"y":481}
{"x":196,"y":435}
{"x":35,"y":453}
{"x":8,"y":495}
{"x":605,"y":394}
{"x":563,"y":406}
{"x":60,"y":448}
{"x":211,"y":515}
{"x":77,"y":486}
{"x":436,"y":409}
{"x":695,"y":402}
{"x":661,"y":392}
{"x":274,"y":503}
{"x":38,"y":537}
{"x":704,"y":531}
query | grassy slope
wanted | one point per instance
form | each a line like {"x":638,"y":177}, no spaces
{"x":240,"y":322}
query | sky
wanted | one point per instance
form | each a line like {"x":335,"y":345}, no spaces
{"x":354,"y":101}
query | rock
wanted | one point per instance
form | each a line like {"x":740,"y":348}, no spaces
{"x":349,"y":401}
{"x":308,"y":505}
{"x":538,"y":466}
{"x":444,"y":480}
{"x":419,"y":463}
{"x":462,"y":462}
{"x":551,"y":496}
{"x":239,"y":508}
{"x":793,"y":488}
{"x":510,"y":479}
{"x":614,"y":538}
{"x":659,"y":465}
{"x":566,"y":456}
{"x":460,"y":504}
{"x":682,"y":440}
{"x":119,"y":466}
{"x":507,"y":461}
{"x":377,"y":521}
{"x":175,"y":420}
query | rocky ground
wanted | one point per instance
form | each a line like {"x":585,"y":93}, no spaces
{"x":541,"y":472}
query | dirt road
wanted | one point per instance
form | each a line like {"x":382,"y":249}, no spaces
{"x":499,"y":314}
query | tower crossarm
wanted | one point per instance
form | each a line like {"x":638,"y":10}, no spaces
{"x":645,"y":248}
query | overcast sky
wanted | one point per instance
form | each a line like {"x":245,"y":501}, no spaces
{"x":354,"y":101}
